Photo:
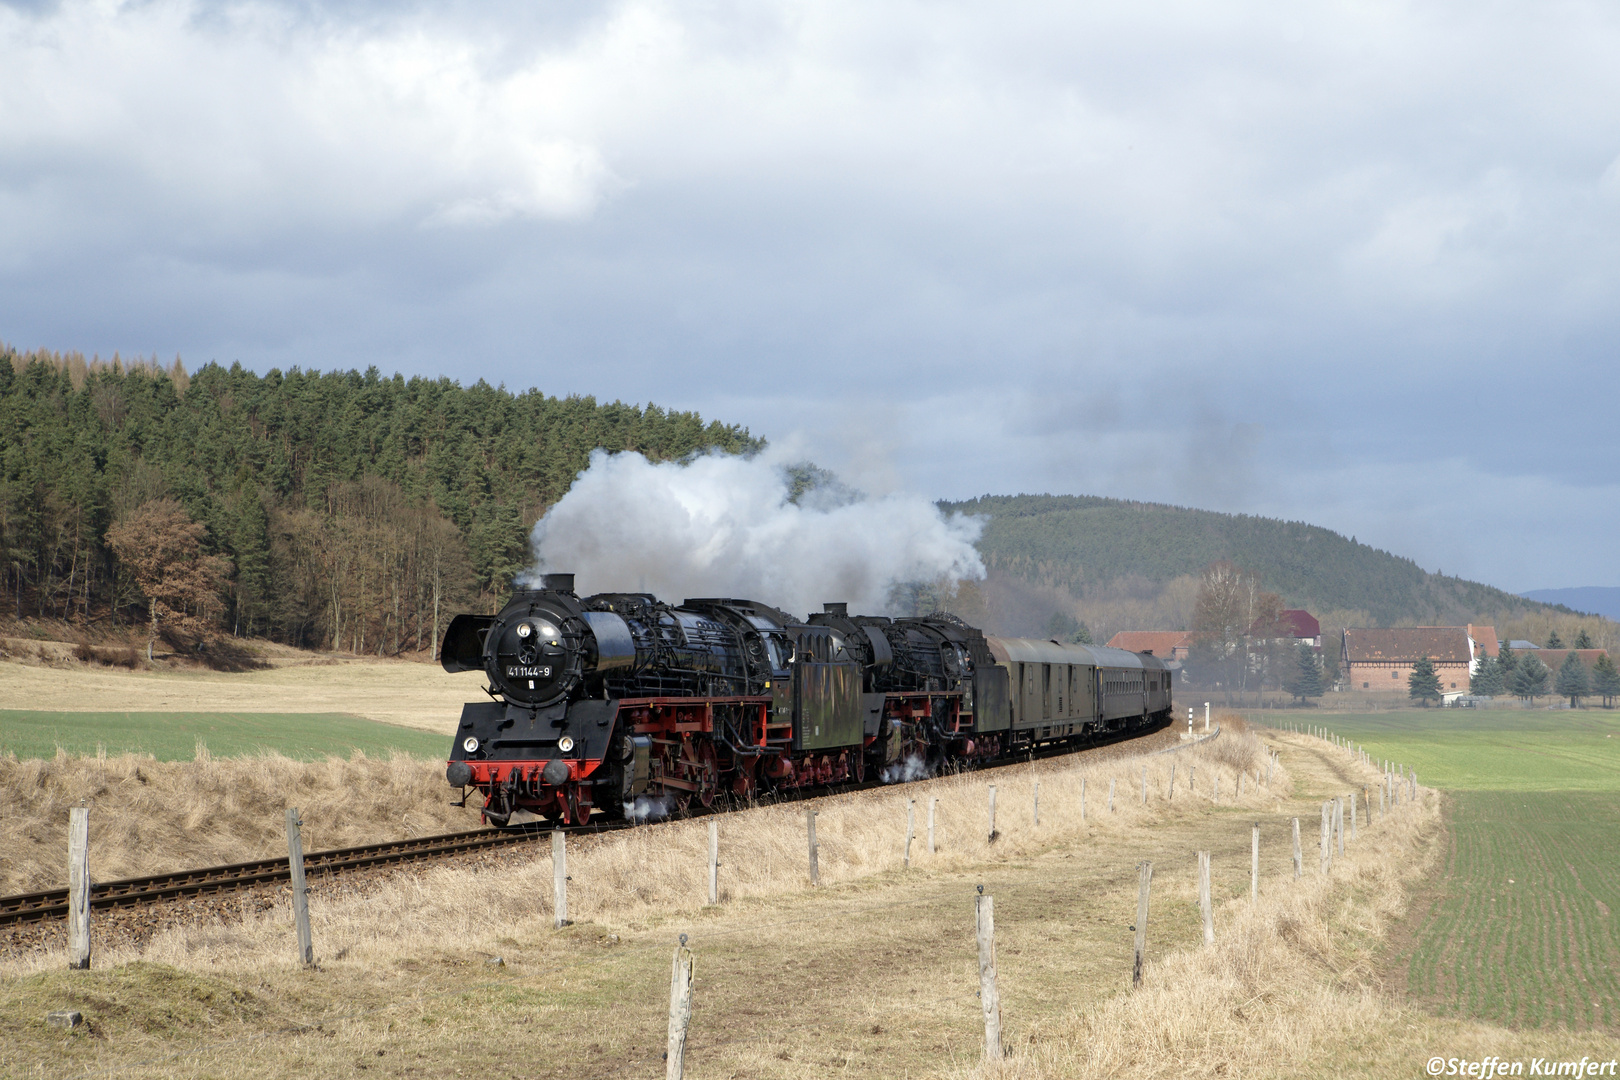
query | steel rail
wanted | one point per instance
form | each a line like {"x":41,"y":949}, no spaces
{"x":128,"y":892}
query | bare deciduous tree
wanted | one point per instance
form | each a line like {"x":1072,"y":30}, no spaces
{"x":162,"y":548}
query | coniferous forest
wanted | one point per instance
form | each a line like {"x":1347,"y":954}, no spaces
{"x":327,"y":510}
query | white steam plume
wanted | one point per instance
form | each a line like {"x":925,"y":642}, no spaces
{"x":723,"y":525}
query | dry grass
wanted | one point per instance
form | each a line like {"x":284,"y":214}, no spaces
{"x":1292,"y":986}
{"x":151,"y":816}
{"x":224,"y":810}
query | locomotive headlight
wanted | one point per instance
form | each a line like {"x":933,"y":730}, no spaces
{"x":565,"y":744}
{"x":470,"y":744}
{"x":524,"y":630}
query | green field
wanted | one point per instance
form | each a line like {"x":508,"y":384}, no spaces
{"x":173,"y":736}
{"x":1523,"y":930}
{"x":1488,"y":749}
{"x":1524,"y":933}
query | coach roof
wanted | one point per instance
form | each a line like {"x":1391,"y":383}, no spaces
{"x":1036,"y":651}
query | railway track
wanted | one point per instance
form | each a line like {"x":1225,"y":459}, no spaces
{"x":132,"y":892}
{"x":129,"y":892}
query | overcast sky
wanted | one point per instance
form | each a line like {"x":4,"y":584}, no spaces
{"x":1354,"y":264}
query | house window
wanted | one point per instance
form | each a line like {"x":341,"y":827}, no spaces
{"x":1394,"y":674}
{"x":1454,"y":686}
{"x":1365,"y":685}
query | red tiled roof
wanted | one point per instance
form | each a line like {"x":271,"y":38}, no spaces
{"x":1302,"y":623}
{"x":1404,"y":645}
{"x":1163,"y":643}
{"x":1484,"y":639}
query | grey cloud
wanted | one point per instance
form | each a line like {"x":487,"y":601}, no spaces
{"x":1099,"y":239}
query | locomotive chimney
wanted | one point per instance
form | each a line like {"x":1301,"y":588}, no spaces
{"x":841,"y":610}
{"x":557,"y":582}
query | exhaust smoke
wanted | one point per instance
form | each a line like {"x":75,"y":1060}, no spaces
{"x":722,"y":525}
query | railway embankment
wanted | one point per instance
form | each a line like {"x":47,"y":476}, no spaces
{"x":872,"y":972}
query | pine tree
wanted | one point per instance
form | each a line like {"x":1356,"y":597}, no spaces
{"x":1529,"y":679}
{"x":1424,"y":683}
{"x":1583,"y":640}
{"x":1509,"y":663}
{"x":1487,"y":680}
{"x":1606,"y":680}
{"x":1304,"y":681}
{"x":1554,"y":641}
{"x":1573,"y":680}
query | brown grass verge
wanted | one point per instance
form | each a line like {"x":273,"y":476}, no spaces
{"x":152,"y":816}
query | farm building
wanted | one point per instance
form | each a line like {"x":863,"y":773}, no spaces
{"x":1165,"y":644}
{"x":1376,"y":659}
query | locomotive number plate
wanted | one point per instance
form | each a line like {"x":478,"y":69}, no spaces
{"x":528,"y":673}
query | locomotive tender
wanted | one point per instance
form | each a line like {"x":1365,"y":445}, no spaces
{"x":619,"y":703}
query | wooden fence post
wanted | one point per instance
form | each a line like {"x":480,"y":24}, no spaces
{"x":932,"y":802}
{"x":1036,"y":806}
{"x":714,"y":862}
{"x":911,"y":826}
{"x":1192,"y":778}
{"x":1144,"y":785}
{"x":1299,"y":857}
{"x":815,"y":858}
{"x":993,"y":833}
{"x":1082,"y":800}
{"x":1326,"y":847}
{"x":559,"y":876}
{"x":1338,"y":823}
{"x":680,"y":1011}
{"x":1204,"y":905}
{"x":1172,"y":794}
{"x":1111,"y":784}
{"x":1352,"y":815}
{"x":1146,"y":871}
{"x":984,"y":911}
{"x":300,"y":891}
{"x":79,"y":888}
{"x":1254,"y":865}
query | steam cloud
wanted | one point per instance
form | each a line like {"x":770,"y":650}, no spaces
{"x":723,"y":525}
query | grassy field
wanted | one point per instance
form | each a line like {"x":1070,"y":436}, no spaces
{"x":1524,"y":934}
{"x":1522,"y":928}
{"x":1490,"y":749}
{"x":173,"y":736}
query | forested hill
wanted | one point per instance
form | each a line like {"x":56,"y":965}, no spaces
{"x":1081,"y":543}
{"x":340,"y":508}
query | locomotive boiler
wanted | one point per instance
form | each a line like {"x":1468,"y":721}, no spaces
{"x":621,"y":704}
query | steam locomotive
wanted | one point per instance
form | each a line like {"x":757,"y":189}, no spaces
{"x":622,"y":704}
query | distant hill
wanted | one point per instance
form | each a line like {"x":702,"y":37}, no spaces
{"x":1592,"y":599}
{"x":1089,"y":547}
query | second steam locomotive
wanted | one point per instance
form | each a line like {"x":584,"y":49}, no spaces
{"x":619,"y":703}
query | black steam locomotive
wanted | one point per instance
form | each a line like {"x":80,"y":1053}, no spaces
{"x":619,"y":703}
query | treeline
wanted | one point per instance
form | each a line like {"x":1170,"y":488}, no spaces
{"x":1087,"y":545}
{"x":336,"y":509}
